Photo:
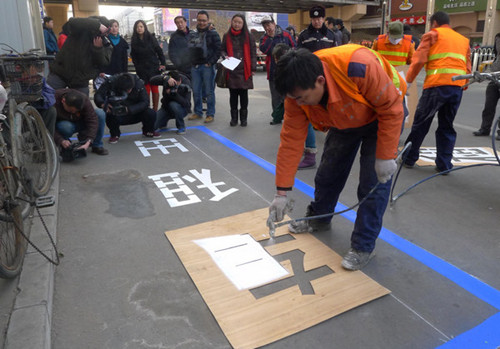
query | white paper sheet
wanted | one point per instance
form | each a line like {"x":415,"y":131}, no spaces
{"x":231,"y":63}
{"x":243,"y":260}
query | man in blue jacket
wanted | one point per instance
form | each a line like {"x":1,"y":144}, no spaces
{"x":274,"y":35}
{"x":49,"y":36}
{"x":178,"y":46}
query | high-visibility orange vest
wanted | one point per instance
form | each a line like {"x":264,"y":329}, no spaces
{"x":447,"y":58}
{"x":338,"y":59}
{"x":395,"y":54}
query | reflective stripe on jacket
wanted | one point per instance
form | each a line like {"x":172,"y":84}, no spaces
{"x":447,"y":58}
{"x":359,"y":92}
{"x":396,"y":54}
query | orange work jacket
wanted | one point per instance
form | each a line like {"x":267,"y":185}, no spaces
{"x":447,"y":58}
{"x":395,"y":54}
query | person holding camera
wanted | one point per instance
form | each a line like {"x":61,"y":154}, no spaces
{"x":86,"y":49}
{"x":176,"y":101}
{"x":123,"y":100}
{"x":75,"y":114}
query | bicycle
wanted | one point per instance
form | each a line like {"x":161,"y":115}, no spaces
{"x":28,"y":158}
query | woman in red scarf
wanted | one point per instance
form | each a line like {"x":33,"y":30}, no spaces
{"x":238,"y":43}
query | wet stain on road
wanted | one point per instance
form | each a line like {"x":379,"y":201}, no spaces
{"x":125,"y":191}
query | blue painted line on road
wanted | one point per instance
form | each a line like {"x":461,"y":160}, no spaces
{"x":487,"y":333}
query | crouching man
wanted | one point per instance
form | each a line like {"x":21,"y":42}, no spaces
{"x":75,"y":114}
{"x":355,"y":95}
{"x":124,"y":101}
{"x":176,"y":101}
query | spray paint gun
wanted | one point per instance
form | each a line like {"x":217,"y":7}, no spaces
{"x":273,"y":226}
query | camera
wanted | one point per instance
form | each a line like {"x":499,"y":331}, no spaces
{"x":118,"y":108}
{"x":72,"y":152}
{"x":173,"y":90}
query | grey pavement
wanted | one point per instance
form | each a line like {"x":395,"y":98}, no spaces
{"x":30,"y":320}
{"x":423,"y":311}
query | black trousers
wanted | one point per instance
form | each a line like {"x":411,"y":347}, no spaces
{"x":490,"y":106}
{"x":147,"y":117}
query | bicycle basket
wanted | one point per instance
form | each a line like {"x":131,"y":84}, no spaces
{"x":25,"y":77}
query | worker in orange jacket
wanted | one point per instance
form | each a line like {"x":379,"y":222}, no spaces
{"x":355,"y":95}
{"x":444,"y":53}
{"x":396,"y":47}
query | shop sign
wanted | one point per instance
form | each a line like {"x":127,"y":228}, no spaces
{"x":405,"y":5}
{"x":460,"y":5}
{"x":412,"y":20}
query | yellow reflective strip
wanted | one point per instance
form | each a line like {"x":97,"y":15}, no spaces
{"x":445,"y":71}
{"x":396,"y":62}
{"x":393,"y":53}
{"x":395,"y":75}
{"x":447,"y":55}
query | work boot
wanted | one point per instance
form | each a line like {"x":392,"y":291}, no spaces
{"x":481,"y":132}
{"x":355,"y":260}
{"x":309,"y":159}
{"x":234,"y":117}
{"x":100,"y":151}
{"x":243,"y":117}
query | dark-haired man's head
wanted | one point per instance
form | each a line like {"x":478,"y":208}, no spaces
{"x":124,"y":83}
{"x":73,"y":101}
{"x":202,"y":19}
{"x":439,"y":18}
{"x":330,"y":22}
{"x":279,"y":50}
{"x":300,"y":76}
{"x":48,"y":22}
{"x":181,"y":23}
{"x":174,"y":74}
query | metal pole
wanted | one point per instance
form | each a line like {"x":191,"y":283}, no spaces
{"x":384,"y":10}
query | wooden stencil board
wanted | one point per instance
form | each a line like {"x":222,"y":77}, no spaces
{"x":249,"y":322}
{"x":412,"y":98}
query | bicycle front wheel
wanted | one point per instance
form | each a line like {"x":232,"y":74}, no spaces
{"x":36,"y":153}
{"x":12,"y":242}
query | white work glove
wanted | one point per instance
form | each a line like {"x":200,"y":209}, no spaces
{"x":385,"y":169}
{"x":408,"y":85}
{"x":280,"y":206}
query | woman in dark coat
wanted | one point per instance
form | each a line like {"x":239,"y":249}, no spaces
{"x":119,"y":57}
{"x":147,"y":56}
{"x":238,"y":43}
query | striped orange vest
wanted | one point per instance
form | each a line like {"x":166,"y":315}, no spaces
{"x":395,"y":54}
{"x":447,"y":58}
{"x":338,"y":59}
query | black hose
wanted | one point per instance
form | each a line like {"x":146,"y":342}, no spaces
{"x":394,"y":198}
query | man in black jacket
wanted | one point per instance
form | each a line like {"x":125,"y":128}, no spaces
{"x":204,"y":47}
{"x":176,"y":101}
{"x":84,"y":51}
{"x":178,"y":46}
{"x":124,"y":101}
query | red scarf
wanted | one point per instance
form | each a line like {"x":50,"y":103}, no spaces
{"x":247,"y":60}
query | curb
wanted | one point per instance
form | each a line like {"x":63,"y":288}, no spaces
{"x":31,"y":318}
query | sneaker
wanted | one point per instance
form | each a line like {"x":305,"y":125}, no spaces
{"x":407,"y":165}
{"x":209,"y":119}
{"x":355,"y":260}
{"x":194,"y":117}
{"x":275,"y":122}
{"x":300,"y":227}
{"x":152,"y":134}
{"x":113,"y":140}
{"x":181,"y":131}
{"x":100,"y":150}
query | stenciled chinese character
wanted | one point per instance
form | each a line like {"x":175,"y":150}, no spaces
{"x":159,"y":144}
{"x":174,"y":188}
